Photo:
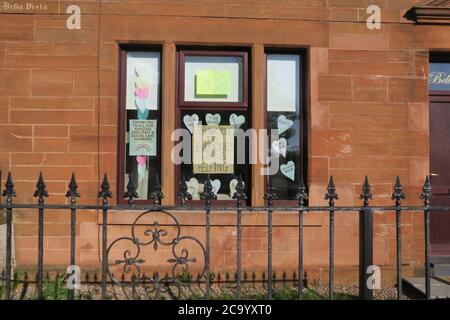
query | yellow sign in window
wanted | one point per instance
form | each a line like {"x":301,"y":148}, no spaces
{"x":213,"y":83}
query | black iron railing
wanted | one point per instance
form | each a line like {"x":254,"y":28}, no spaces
{"x":179,"y":280}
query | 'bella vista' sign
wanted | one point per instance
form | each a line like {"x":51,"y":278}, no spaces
{"x":439,"y":77}
{"x":23,"y":6}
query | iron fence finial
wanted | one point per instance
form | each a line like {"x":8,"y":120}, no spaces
{"x":301,"y":195}
{"x":331,"y":195}
{"x":398,"y":193}
{"x":426,"y":191}
{"x":9,"y":191}
{"x":184,"y":195}
{"x":240,"y":190}
{"x":131,"y":192}
{"x":366,"y":192}
{"x":41,"y":191}
{"x":105,"y":193}
{"x":208,"y":193}
{"x":73,"y":192}
{"x":156,"y":193}
{"x":271,"y":194}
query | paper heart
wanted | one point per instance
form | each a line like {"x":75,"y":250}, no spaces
{"x":142,"y":103}
{"x":233,"y":185}
{"x":280,"y":146}
{"x":288,"y":170}
{"x":192,"y":185}
{"x":213,"y":119}
{"x":237,"y":121}
{"x":215,"y":186}
{"x":142,"y":92}
{"x":284,"y":124}
{"x":142,"y":114}
{"x":190,"y":121}
{"x":141,"y":160}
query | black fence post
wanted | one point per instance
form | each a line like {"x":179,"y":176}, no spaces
{"x":9,"y":193}
{"x":426,"y":195}
{"x":269,"y":197}
{"x":104,"y":194}
{"x":208,"y":195}
{"x":302,"y":196}
{"x":73,"y":194}
{"x":331,"y":195}
{"x":41,"y":193}
{"x":398,"y":195}
{"x":240,"y":196}
{"x":365,"y":242}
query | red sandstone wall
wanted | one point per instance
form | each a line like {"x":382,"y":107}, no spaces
{"x":368,"y":113}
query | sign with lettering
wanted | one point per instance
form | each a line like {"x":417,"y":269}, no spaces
{"x":28,"y":6}
{"x":143,"y":137}
{"x":213,"y":149}
{"x":439,"y":77}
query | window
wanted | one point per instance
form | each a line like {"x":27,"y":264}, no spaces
{"x":213,"y":79}
{"x":212,"y":103}
{"x":140,"y":120}
{"x":286,"y":116}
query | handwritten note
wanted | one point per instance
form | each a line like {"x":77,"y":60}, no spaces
{"x":213,"y":83}
{"x":143,"y":137}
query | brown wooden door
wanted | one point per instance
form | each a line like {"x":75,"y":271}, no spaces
{"x":440,"y":173}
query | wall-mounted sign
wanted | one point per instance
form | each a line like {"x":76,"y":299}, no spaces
{"x":213,"y":149}
{"x":143,"y":137}
{"x":439,"y":77}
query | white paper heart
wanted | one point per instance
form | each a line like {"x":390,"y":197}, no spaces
{"x":280,"y":146}
{"x":284,"y":124}
{"x":213,"y":119}
{"x":215,"y":186}
{"x":192,"y":185}
{"x":288,"y":170}
{"x":237,"y":121}
{"x":233,"y":185}
{"x":191,"y":121}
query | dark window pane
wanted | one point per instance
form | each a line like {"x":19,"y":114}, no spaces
{"x":223,"y":183}
{"x":283,"y":115}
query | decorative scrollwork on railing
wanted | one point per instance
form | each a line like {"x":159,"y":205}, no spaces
{"x":127,"y":256}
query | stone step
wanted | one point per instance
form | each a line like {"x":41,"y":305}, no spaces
{"x":439,"y":289}
{"x":441,"y":270}
{"x":439,"y":260}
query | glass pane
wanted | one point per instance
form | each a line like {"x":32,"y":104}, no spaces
{"x":439,"y":78}
{"x":223,"y":176}
{"x":283,"y":115}
{"x":213,"y":79}
{"x":142,"y":121}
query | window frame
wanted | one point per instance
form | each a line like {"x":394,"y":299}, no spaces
{"x":122,"y":117}
{"x":182,"y":106}
{"x":304,"y":115}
